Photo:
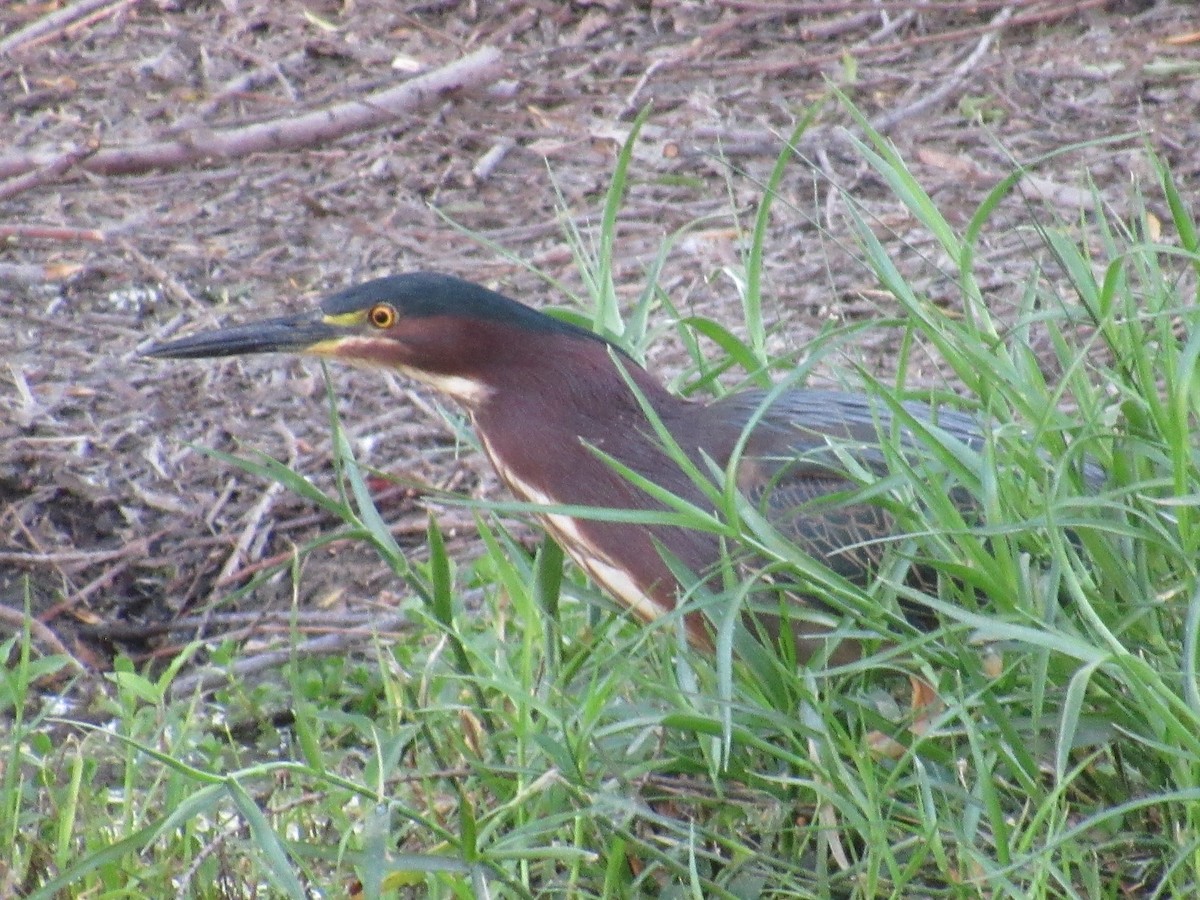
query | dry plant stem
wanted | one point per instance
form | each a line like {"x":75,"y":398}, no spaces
{"x":838,"y":27}
{"x":59,"y":557}
{"x":16,"y":620}
{"x":407,"y":528}
{"x":51,"y":233}
{"x":124,"y":558}
{"x":207,"y":849}
{"x":100,"y":582}
{"x":242,"y":574}
{"x":268,"y":71}
{"x":890,"y":28}
{"x":157,"y":273}
{"x":961,"y":73}
{"x":809,"y":63}
{"x":59,"y":21}
{"x":750,"y":141}
{"x":58,"y":323}
{"x":241,"y":549}
{"x":631,"y":101}
{"x":878,"y":7}
{"x":51,"y":171}
{"x":487,"y":163}
{"x":206,"y":680}
{"x":306,"y":621}
{"x":288,"y":133}
{"x":24,"y":273}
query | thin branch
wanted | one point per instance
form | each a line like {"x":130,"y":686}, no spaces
{"x":49,"y":26}
{"x":25,"y":273}
{"x":800,"y":63}
{"x":51,"y":171}
{"x":90,"y":557}
{"x":16,"y":621}
{"x":285,"y":133}
{"x":50,"y":232}
{"x":268,"y":71}
{"x":207,"y":626}
{"x":208,"y":679}
{"x":887,"y":121}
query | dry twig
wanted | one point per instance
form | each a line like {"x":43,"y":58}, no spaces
{"x":51,"y":171}
{"x":887,"y":121}
{"x":51,"y":233}
{"x":208,"y":679}
{"x":803,"y":63}
{"x":285,"y":133}
{"x":17,"y":621}
{"x":268,"y":71}
{"x":25,"y":273}
{"x":302,"y":621}
{"x":60,"y":20}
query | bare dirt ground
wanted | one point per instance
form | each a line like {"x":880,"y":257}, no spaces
{"x":117,"y":526}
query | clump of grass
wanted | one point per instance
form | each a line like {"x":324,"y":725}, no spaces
{"x":541,"y":745}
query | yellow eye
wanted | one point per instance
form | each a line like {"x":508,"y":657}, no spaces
{"x":382,"y":315}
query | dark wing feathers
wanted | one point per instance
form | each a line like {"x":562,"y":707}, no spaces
{"x":795,"y":459}
{"x":794,"y":469}
{"x":845,"y":536}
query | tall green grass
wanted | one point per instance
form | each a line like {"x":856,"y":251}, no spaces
{"x":542,"y":745}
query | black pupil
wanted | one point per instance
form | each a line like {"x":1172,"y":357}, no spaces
{"x":381,"y":316}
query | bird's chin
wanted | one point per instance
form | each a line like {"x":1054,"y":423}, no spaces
{"x":470,"y":393}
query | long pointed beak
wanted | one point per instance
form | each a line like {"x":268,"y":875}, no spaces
{"x":293,"y":334}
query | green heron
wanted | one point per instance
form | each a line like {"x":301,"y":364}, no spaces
{"x":544,"y":396}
